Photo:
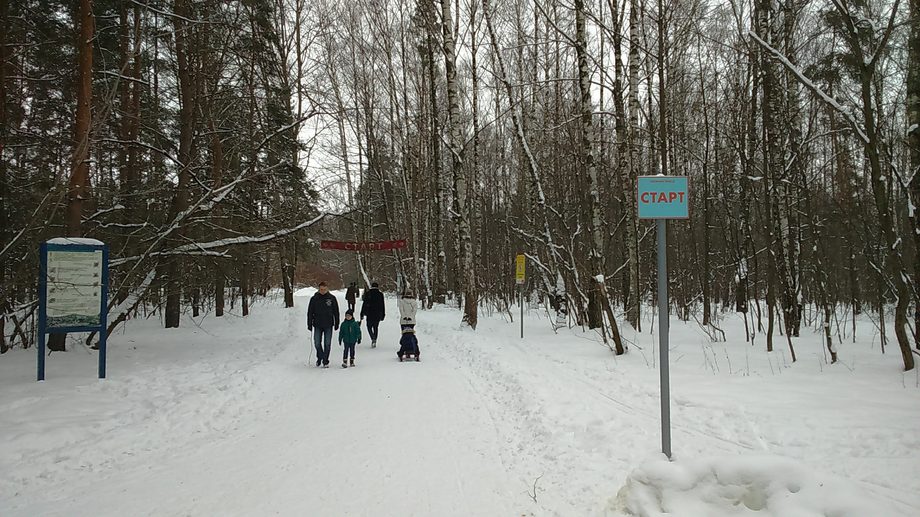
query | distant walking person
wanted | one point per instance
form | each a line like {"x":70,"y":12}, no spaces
{"x":408,"y":342}
{"x":350,"y":335}
{"x":322,"y":319}
{"x":351,"y":296}
{"x":373,"y":311}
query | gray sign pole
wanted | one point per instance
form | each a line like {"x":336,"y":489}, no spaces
{"x":663,"y":336}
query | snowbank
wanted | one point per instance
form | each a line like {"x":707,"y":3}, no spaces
{"x":765,"y":486}
{"x":306,"y":292}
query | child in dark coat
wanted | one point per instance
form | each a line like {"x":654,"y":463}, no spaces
{"x":350,"y":335}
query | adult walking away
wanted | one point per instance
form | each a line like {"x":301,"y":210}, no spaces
{"x":351,"y":296}
{"x":373,"y":311}
{"x":322,"y":320}
{"x":408,"y":342}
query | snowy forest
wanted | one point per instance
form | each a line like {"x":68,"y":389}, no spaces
{"x":212,"y":143}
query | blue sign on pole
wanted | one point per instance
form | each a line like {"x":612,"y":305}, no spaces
{"x":73,"y":292}
{"x":664,"y":197}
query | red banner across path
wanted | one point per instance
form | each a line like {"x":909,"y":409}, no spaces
{"x":363,"y":246}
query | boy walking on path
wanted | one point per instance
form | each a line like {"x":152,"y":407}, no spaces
{"x":372,"y":309}
{"x":322,"y":319}
{"x":351,"y":336}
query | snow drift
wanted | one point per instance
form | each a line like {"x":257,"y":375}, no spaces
{"x":762,"y":486}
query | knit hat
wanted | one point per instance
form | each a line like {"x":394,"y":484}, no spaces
{"x":350,"y":312}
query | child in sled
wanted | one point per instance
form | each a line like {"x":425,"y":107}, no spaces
{"x":408,"y":343}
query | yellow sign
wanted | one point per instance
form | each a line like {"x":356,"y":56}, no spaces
{"x":521,"y":268}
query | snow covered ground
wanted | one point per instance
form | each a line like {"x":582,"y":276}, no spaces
{"x":224,"y":417}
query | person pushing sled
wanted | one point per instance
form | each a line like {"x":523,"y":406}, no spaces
{"x":408,"y":343}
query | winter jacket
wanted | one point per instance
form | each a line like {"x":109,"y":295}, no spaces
{"x":351,"y":294}
{"x":408,"y":344}
{"x":407,"y":309}
{"x":372,"y":307}
{"x":350,"y":332}
{"x":323,"y":311}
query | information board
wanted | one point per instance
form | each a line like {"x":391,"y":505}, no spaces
{"x":74,"y":288}
{"x":73,"y":292}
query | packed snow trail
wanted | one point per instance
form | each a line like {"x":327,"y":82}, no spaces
{"x":226,"y":417}
{"x":270,"y":435}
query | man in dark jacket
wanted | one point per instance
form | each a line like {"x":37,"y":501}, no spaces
{"x":373,"y":310}
{"x":351,"y":296}
{"x":322,"y":319}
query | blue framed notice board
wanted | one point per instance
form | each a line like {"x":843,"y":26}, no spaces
{"x":73,"y":292}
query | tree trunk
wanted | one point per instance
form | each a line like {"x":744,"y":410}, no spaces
{"x":587,"y":155}
{"x":217,"y":166}
{"x":897,"y":273}
{"x":245,"y":278}
{"x":78,"y":190}
{"x":633,"y":300}
{"x":219,"y":287}
{"x":773,"y":161}
{"x":287,"y":272}
{"x":186,"y":133}
{"x":792,"y":178}
{"x":464,"y":276}
{"x":474,"y":256}
{"x":556,"y":282}
{"x":4,"y":222}
{"x":437,"y":247}
{"x":913,"y":143}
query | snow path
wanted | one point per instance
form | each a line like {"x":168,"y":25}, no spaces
{"x":226,"y":418}
{"x":273,"y":437}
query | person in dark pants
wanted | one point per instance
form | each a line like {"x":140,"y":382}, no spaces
{"x":351,"y":296}
{"x":350,"y":335}
{"x":373,"y":310}
{"x":322,"y":319}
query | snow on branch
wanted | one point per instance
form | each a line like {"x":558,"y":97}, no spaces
{"x":205,"y":203}
{"x":103,"y":211}
{"x":884,"y":42}
{"x":168,"y":14}
{"x":808,"y":83}
{"x":287,"y":127}
{"x":21,"y":311}
{"x":162,"y":152}
{"x":29,"y":226}
{"x":536,"y":261}
{"x":131,"y":301}
{"x":235,"y":241}
{"x":125,"y":260}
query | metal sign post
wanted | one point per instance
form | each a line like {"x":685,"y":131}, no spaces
{"x":520,"y":273}
{"x":663,"y":331}
{"x":663,"y":198}
{"x":73,"y":292}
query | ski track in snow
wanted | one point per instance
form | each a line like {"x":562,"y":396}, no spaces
{"x":227,"y":418}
